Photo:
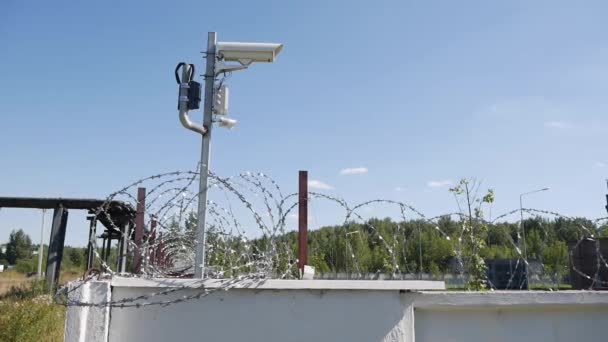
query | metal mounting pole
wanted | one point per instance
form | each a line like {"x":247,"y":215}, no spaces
{"x":199,"y":263}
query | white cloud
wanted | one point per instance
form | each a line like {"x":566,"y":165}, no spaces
{"x":399,"y":189}
{"x":353,"y":171}
{"x":519,"y":107}
{"x":600,"y":164}
{"x":317,"y":184}
{"x":438,"y":183}
{"x":557,"y":124}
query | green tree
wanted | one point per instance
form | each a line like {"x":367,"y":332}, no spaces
{"x":556,"y":260}
{"x":27,"y":265}
{"x":475,"y":228}
{"x":75,"y":256}
{"x":19,"y":247}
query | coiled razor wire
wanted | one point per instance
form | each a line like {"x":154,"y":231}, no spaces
{"x":246,"y":227}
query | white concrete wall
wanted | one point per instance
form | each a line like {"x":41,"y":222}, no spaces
{"x":377,"y":311}
{"x":511,"y":316}
{"x":521,"y":324}
{"x":84,"y":323}
{"x":244,"y":315}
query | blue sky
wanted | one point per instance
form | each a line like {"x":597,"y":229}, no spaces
{"x":416,"y":93}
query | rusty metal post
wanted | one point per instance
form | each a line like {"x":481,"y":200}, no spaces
{"x":160,"y":253}
{"x":152,"y":240}
{"x":139,"y":229}
{"x":303,"y":220}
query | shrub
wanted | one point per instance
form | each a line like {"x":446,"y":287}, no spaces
{"x":27,"y":313}
{"x":31,"y":320}
{"x":27,"y":266}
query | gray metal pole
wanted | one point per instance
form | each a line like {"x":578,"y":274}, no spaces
{"x":199,"y":263}
{"x":522,"y":227}
{"x":521,"y":221}
{"x":41,"y":247}
{"x":346,"y":255}
{"x":91,"y":244}
{"x":346,"y":244}
{"x":419,"y":252}
{"x":56,"y":244}
{"x":123,"y":247}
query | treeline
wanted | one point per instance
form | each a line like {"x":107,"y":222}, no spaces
{"x":373,"y":246}
{"x":22,"y":253}
{"x":414,"y":246}
{"x":387,"y":246}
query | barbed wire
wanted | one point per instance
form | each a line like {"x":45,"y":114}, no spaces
{"x":247,"y":237}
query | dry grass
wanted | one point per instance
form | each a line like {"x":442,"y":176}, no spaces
{"x":27,"y":312}
{"x":69,"y":275}
{"x":10,"y":279}
{"x":31,"y":319}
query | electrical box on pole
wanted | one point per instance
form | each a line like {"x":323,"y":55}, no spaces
{"x":190,"y":90}
{"x":220,"y":100}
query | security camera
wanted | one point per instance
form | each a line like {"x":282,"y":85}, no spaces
{"x":246,"y":53}
{"x":226,"y":123}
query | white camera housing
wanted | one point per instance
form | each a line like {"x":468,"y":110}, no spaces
{"x":226,"y":122}
{"x":246,"y":53}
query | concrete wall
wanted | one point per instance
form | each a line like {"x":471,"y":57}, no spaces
{"x":512,"y":324}
{"x":511,"y":316}
{"x":243,"y":315}
{"x":353,"y":311}
{"x":88,"y":323}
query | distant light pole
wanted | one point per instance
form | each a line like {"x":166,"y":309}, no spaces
{"x":41,"y":247}
{"x":346,"y":250}
{"x":521,"y":213}
{"x":419,"y":252}
{"x":215,"y":108}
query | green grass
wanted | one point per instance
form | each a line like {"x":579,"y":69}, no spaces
{"x":535,"y":287}
{"x":547,"y":287}
{"x":27,"y":313}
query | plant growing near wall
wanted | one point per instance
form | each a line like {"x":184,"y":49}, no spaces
{"x":474,"y":228}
